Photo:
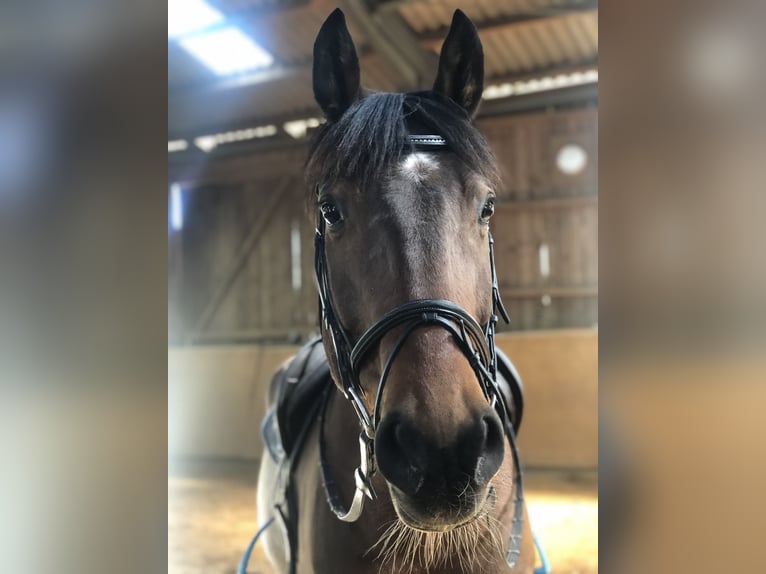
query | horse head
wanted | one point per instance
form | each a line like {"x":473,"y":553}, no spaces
{"x":400,"y":222}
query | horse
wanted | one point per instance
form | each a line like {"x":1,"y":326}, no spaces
{"x":402,"y":187}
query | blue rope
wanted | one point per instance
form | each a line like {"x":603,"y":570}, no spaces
{"x":546,"y":567}
{"x":246,"y":556}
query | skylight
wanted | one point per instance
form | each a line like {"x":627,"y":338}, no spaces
{"x":206,"y":34}
{"x":226,"y":51}
{"x":189,"y":16}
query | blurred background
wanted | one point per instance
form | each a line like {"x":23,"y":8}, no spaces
{"x":241,"y":292}
{"x":87,"y":237}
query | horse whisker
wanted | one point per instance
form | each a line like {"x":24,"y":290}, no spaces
{"x":469,"y":545}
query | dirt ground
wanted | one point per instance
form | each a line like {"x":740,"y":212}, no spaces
{"x":211,"y":518}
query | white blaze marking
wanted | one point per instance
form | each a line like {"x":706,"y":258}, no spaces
{"x":417,"y":165}
{"x":406,"y":202}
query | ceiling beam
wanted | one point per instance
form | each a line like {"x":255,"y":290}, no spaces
{"x":392,"y":41}
{"x":273,"y":73}
{"x":258,"y":159}
{"x":401,"y":35}
{"x":563,"y":97}
{"x":314,"y":111}
{"x":246,"y":122}
{"x":270,"y":74}
{"x":542,"y":72}
{"x":392,"y":5}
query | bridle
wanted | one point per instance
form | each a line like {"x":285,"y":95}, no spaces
{"x":475,"y":341}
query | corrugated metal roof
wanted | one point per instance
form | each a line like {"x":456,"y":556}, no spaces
{"x":289,"y":35}
{"x":535,"y":44}
{"x":540,"y":44}
{"x":259,"y":102}
{"x":430,"y":15}
{"x":520,"y":37}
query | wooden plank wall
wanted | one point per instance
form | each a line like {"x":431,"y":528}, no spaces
{"x":542,"y":205}
{"x":261,"y":303}
{"x":218,"y":395}
{"x":538,"y":204}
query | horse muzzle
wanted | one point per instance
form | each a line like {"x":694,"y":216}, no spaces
{"x":439,"y":487}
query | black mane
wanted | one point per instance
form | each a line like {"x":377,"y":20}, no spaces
{"x":372,"y":134}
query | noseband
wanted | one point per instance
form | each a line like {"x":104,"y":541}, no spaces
{"x":475,"y":341}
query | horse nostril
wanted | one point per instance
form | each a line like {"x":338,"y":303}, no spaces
{"x":409,"y":461}
{"x":397,"y":451}
{"x":490,"y":455}
{"x":494,"y":437}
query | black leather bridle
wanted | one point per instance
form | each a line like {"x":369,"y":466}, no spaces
{"x":475,"y":341}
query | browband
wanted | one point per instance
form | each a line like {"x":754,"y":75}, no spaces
{"x":426,"y":141}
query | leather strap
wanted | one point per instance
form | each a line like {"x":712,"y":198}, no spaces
{"x":517,"y":523}
{"x":362,"y":474}
{"x":423,"y":311}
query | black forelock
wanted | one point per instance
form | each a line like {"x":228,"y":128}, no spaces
{"x":371,"y":136}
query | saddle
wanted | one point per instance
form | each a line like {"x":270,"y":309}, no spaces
{"x":296,"y":395}
{"x":294,"y":398}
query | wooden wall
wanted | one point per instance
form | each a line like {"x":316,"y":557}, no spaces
{"x":217,"y":397}
{"x":241,"y":234}
{"x":239,"y":214}
{"x":542,"y":205}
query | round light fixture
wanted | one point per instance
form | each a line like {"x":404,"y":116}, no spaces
{"x":571,"y":159}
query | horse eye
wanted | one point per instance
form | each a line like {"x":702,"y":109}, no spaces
{"x":330,"y":213}
{"x":488,"y":210}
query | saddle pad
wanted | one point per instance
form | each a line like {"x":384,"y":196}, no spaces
{"x":294,"y":399}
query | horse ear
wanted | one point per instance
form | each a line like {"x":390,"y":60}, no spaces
{"x":336,"y":67}
{"x":461,"y":64}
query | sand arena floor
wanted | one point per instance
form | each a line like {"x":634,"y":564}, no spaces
{"x":212,"y":517}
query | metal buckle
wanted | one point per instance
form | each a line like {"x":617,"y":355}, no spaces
{"x":364,"y":472}
{"x":361,"y":412}
{"x":362,"y":480}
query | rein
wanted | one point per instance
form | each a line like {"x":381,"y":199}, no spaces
{"x":475,"y":341}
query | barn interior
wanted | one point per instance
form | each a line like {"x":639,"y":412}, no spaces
{"x":241,"y":293}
